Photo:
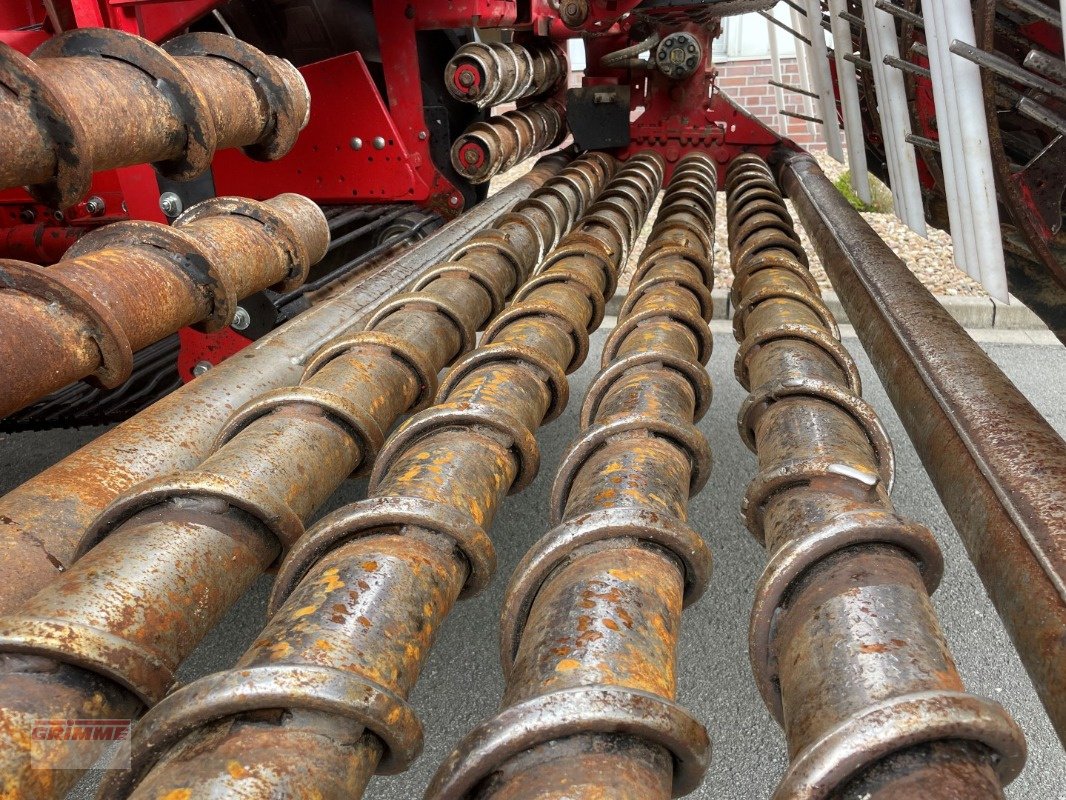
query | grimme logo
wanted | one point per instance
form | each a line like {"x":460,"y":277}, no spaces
{"x":80,"y":743}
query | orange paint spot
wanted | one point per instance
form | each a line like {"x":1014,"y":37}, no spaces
{"x":177,"y":794}
{"x":303,"y":612}
{"x":567,"y":664}
{"x":236,"y":770}
{"x":370,"y":566}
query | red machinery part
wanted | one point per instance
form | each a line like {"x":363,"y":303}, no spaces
{"x":459,"y":79}
{"x":350,"y":151}
{"x":38,"y":243}
{"x":207,"y":348}
{"x":680,"y":116}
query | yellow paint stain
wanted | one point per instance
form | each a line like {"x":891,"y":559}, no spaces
{"x":567,"y":664}
{"x":303,"y":612}
{"x":177,"y":794}
{"x":330,"y":581}
{"x":624,"y":574}
{"x":280,"y":650}
{"x":235,"y":770}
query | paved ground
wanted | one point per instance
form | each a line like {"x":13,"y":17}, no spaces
{"x":461,"y":683}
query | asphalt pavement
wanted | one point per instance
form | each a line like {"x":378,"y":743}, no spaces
{"x":461,"y":683}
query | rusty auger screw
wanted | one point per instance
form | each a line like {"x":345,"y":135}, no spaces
{"x":93,"y":98}
{"x":164,"y":561}
{"x":844,"y":643}
{"x":493,"y":73}
{"x":486,"y":148}
{"x":591,"y":618}
{"x":359,"y":598}
{"x":124,"y":286}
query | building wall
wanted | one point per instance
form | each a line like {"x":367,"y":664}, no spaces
{"x":746,"y":82}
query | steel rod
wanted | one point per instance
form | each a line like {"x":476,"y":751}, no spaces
{"x":794,"y":89}
{"x":998,"y":466}
{"x":909,"y":67}
{"x":790,"y":31}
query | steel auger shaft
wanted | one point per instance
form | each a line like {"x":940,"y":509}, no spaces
{"x":127,"y":285}
{"x":487,"y":148}
{"x":591,"y":618}
{"x":165,"y":560}
{"x":94,"y":98}
{"x":179,"y":431}
{"x":359,"y":599}
{"x":493,"y":73}
{"x":844,"y":642}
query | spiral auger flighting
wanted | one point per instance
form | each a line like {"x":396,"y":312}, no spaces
{"x":168,"y":557}
{"x":125,"y":286}
{"x":844,"y":643}
{"x":487,"y":148}
{"x":493,"y":73}
{"x":359,"y":599}
{"x":94,"y":98}
{"x":591,"y":618}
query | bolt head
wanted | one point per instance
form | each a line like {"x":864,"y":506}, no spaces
{"x":356,"y":143}
{"x":94,"y":206}
{"x":28,"y":215}
{"x":466,"y":78}
{"x":422,"y":136}
{"x":200,"y":368}
{"x":241,"y":319}
{"x":453,"y":200}
{"x":170,"y":204}
{"x":379,"y":143}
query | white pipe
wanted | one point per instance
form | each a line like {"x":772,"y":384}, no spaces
{"x":802,"y":67}
{"x":911,"y":187}
{"x":892,"y":95}
{"x":960,"y":218}
{"x":977,"y":152}
{"x":778,"y":75}
{"x":848,"y":83}
{"x":887,"y":130}
{"x":823,"y":80}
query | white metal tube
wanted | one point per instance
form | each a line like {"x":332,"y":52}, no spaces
{"x":823,"y":77}
{"x":959,"y":218}
{"x":778,"y":75}
{"x":848,"y":84}
{"x":893,"y":97}
{"x":907,"y":159}
{"x":883,"y":113}
{"x":977,"y":153}
{"x":802,"y":66}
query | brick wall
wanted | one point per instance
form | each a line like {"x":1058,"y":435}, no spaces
{"x":746,"y":83}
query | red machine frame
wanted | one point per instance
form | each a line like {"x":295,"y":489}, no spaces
{"x":358,"y":146}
